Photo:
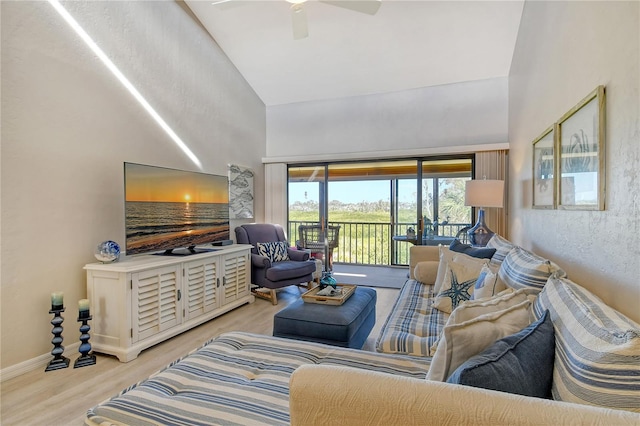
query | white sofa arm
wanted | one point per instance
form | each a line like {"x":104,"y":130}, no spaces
{"x":332,"y":395}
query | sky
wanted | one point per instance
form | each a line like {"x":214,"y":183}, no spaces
{"x":149,"y":183}
{"x":353,"y":192}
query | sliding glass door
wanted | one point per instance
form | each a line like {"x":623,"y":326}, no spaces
{"x":381,"y":207}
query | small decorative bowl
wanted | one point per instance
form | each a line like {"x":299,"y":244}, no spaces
{"x":107,"y":251}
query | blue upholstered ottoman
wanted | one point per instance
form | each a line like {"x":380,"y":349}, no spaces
{"x":347,"y":325}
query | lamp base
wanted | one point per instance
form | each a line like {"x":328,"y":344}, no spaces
{"x":480,"y":234}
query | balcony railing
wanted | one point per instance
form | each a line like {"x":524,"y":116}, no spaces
{"x":371,"y":243}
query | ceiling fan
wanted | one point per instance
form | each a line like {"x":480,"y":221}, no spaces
{"x":299,"y":15}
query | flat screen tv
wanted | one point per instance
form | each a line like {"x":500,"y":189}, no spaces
{"x":171,"y":211}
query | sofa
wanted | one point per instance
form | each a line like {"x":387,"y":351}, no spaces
{"x":595,"y":357}
{"x":240,"y":378}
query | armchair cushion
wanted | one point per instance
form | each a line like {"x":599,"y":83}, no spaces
{"x":276,"y":251}
{"x":289,"y":269}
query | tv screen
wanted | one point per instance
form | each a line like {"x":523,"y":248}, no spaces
{"x":173,"y":211}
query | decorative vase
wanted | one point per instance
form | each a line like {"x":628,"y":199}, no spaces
{"x":327,"y":280}
{"x":411,"y":233}
{"x":107,"y":251}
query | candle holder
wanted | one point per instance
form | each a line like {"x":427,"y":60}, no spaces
{"x":85,"y":347}
{"x":58,"y":360}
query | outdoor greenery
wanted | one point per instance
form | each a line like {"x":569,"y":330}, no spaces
{"x":366,"y":228}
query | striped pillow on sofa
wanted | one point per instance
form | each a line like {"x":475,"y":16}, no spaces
{"x":502,"y":246}
{"x":597,"y":359}
{"x":523,"y":269}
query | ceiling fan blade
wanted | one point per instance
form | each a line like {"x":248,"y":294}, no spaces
{"x":227,"y":4}
{"x":370,"y":7}
{"x":299,"y":21}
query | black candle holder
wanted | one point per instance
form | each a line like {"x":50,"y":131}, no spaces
{"x":85,"y":347}
{"x":58,"y":360}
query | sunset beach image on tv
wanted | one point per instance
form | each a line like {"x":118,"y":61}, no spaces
{"x":167,"y":209}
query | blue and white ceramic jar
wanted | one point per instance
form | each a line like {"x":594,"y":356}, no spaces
{"x":108,"y":251}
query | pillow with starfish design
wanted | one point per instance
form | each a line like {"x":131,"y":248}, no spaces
{"x":457,"y":286}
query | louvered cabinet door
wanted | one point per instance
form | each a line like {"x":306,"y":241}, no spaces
{"x":236,"y":276}
{"x":201,"y":283}
{"x":156,"y":301}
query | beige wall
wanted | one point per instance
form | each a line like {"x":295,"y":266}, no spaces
{"x":68,"y":125}
{"x":564,"y":50}
{"x":462,"y":114}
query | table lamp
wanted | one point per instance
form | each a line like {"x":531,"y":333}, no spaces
{"x":483,"y":193}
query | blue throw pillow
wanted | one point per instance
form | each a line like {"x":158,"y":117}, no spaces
{"x":479,"y":252}
{"x":521,"y":363}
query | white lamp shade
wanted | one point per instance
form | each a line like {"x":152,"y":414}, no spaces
{"x":484,"y":193}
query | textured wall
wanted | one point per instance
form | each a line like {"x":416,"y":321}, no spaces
{"x":450,"y":115}
{"x":68,"y":125}
{"x":564,"y":50}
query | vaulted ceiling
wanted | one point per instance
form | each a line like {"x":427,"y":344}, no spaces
{"x":405,"y":45}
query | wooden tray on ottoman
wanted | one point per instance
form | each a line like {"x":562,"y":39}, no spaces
{"x":311,"y":297}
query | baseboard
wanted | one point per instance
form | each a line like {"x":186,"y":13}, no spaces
{"x":36,"y":363}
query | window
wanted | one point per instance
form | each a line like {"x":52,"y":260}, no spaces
{"x":374,"y":201}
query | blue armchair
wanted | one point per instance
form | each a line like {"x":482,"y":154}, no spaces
{"x":269,"y":272}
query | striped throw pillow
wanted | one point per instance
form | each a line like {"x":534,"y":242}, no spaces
{"x":523,"y":269}
{"x":502,"y":246}
{"x":597,"y":359}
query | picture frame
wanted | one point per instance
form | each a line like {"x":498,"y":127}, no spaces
{"x":241,"y":194}
{"x":581,"y":155}
{"x":544,"y":169}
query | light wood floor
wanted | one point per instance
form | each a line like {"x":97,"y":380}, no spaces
{"x":62,"y":397}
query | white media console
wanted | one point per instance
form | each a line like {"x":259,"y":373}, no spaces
{"x":143,"y":300}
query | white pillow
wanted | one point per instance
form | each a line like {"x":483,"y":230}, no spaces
{"x":460,"y":342}
{"x":488,"y":284}
{"x":447,"y":256}
{"x":474,"y":308}
{"x":457,"y":286}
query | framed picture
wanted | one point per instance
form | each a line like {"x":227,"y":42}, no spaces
{"x":240,"y":192}
{"x":581,"y":152}
{"x":544,"y":170}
